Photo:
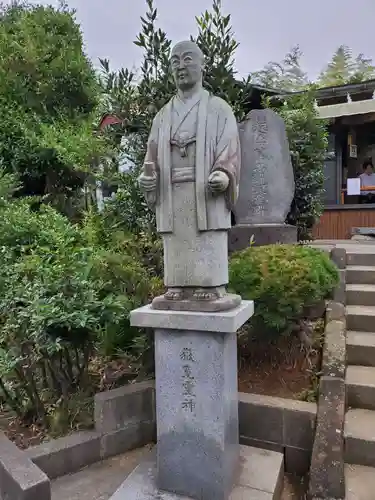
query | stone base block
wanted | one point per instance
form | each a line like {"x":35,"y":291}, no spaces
{"x":263,"y":234}
{"x":223,"y":322}
{"x":260,"y":477}
{"x":226,"y":303}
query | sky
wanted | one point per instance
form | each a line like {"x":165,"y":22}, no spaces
{"x":265,"y":29}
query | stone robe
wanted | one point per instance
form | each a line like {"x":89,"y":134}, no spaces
{"x":188,"y":141}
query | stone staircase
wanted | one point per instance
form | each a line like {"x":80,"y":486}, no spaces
{"x":359,"y":427}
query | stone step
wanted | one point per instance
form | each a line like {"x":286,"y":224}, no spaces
{"x":359,"y":482}
{"x":361,"y":295}
{"x":360,"y":348}
{"x":261,"y":477}
{"x":359,"y":434}
{"x":360,"y":318}
{"x":360,"y":258}
{"x":360,"y":275}
{"x":360,"y":387}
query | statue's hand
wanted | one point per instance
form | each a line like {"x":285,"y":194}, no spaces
{"x":218,"y":181}
{"x":147,"y":183}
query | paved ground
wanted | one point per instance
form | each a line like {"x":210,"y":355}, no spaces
{"x":100,"y":481}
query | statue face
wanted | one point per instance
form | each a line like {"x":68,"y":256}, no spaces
{"x":187,"y":65}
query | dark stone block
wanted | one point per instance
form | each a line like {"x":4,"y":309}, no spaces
{"x":335,"y":311}
{"x":129,"y":438}
{"x":338,"y":256}
{"x":339,"y":293}
{"x":20,"y":478}
{"x":264,"y":445}
{"x":117,"y":408}
{"x":263,"y":422}
{"x":66,"y":455}
{"x":327,"y":462}
{"x":334,"y":351}
{"x":264,"y":234}
{"x":359,"y":451}
{"x":299,"y":428}
{"x":297,"y":460}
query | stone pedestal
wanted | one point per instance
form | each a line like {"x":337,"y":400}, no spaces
{"x":196,"y":400}
{"x":197,"y":412}
{"x":264,"y":234}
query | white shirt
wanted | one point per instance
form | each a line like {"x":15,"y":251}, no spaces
{"x":367,"y":180}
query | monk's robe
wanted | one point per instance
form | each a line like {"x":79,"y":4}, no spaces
{"x":188,"y":141}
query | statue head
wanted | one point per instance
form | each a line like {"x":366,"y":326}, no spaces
{"x":187,"y":62}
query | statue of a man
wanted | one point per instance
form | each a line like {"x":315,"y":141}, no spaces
{"x":190,"y":178}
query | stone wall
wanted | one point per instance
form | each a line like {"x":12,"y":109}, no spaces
{"x":327,"y":479}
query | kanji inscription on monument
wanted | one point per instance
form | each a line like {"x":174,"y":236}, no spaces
{"x":267,"y":178}
{"x":188,"y":380}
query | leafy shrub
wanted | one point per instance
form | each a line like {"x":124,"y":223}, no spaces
{"x":64,"y":290}
{"x":282,"y":280}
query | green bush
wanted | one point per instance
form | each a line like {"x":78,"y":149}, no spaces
{"x":282,"y":280}
{"x":65,"y":291}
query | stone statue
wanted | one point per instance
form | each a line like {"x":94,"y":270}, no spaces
{"x":190,"y":178}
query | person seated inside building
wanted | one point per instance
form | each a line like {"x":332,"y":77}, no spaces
{"x":367,"y":179}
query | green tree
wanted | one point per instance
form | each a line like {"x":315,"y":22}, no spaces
{"x":339,"y":69}
{"x":48,"y":98}
{"x":308,"y":145}
{"x":285,"y":75}
{"x":364,"y":69}
{"x":137,"y":102}
{"x":344,"y":68}
{"x":216,"y":40}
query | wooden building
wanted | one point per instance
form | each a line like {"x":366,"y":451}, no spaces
{"x":350,"y":111}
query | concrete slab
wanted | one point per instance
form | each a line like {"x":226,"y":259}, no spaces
{"x":360,"y":348}
{"x":221,"y":322}
{"x":360,"y":318}
{"x":360,"y":275}
{"x":360,"y":386}
{"x":360,"y":482}
{"x":260,"y":478}
{"x":20,"y":478}
{"x":362,"y":295}
{"x":98,"y":481}
{"x":360,"y":437}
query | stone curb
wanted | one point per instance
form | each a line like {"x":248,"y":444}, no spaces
{"x":124,"y":420}
{"x":327,"y":474}
{"x":20,"y":478}
{"x":279,"y":424}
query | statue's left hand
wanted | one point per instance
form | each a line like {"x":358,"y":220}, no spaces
{"x":218,"y":181}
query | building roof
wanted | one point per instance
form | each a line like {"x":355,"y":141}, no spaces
{"x":337,"y":90}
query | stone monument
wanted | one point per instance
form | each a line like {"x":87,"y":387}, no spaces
{"x":267,"y":183}
{"x":190,"y":177}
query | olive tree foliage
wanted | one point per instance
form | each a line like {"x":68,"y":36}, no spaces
{"x":136,"y":97}
{"x":48,"y":99}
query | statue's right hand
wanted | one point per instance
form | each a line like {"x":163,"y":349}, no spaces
{"x":147,"y":183}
